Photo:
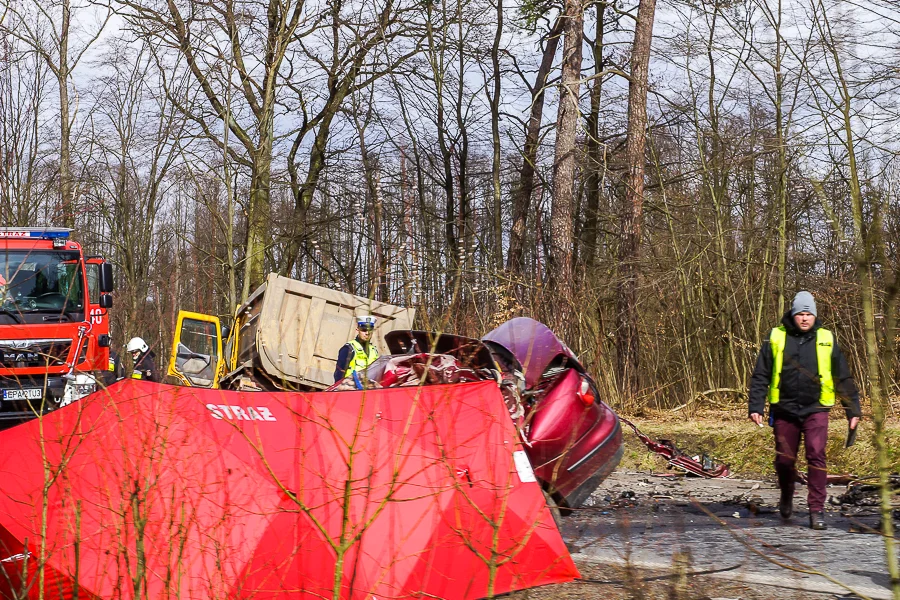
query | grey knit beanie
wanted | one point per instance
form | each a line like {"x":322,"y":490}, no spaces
{"x":803,"y":302}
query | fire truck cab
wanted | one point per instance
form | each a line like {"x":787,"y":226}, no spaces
{"x":54,"y":322}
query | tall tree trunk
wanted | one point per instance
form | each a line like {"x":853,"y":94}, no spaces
{"x":521,"y":200}
{"x":563,"y":204}
{"x":381,"y":289}
{"x":628,"y":358}
{"x":436,"y":60}
{"x":465,"y":226}
{"x":378,"y":287}
{"x":494,"y":100}
{"x":66,"y":195}
{"x":230,"y":205}
{"x":781,"y":186}
{"x":891,"y":297}
{"x":258,"y":222}
{"x":594,"y":153}
{"x":411,"y":281}
{"x":863,"y":255}
{"x":304,"y":192}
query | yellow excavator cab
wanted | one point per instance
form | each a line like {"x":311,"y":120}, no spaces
{"x":197,"y":359}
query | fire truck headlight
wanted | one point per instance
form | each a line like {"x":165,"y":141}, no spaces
{"x":82,"y":385}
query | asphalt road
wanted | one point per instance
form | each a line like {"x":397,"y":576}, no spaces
{"x":728,"y":529}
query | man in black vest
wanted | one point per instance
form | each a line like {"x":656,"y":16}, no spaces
{"x":801,"y":371}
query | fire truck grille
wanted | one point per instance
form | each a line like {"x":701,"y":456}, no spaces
{"x":18,"y":354}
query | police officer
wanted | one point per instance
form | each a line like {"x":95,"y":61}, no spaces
{"x":356,"y":355}
{"x":143,"y":359}
{"x":801,"y":371}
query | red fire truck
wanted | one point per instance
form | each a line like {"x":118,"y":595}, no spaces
{"x":54,"y":321}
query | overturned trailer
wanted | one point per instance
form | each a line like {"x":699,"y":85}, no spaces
{"x":286,"y":336}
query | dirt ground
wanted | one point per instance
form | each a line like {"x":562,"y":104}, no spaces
{"x":645,"y":536}
{"x":616,"y":582}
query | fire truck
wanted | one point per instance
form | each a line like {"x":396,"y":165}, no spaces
{"x":54,"y":322}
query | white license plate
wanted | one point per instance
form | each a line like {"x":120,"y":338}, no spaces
{"x":24,"y":394}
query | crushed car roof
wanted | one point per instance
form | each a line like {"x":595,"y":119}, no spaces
{"x":533,"y":344}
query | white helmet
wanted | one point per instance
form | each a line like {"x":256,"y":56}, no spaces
{"x":137,"y":344}
{"x":365,"y":322}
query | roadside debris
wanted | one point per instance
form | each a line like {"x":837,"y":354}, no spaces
{"x":862,"y":496}
{"x":701,"y":465}
{"x":832,"y":478}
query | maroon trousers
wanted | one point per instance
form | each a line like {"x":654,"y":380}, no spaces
{"x":814,"y":429}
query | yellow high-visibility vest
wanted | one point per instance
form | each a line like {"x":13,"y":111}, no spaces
{"x":824,"y":349}
{"x":360,"y":360}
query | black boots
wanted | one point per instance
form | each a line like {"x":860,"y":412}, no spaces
{"x":786,"y":505}
{"x":786,"y":510}
{"x":817,"y":521}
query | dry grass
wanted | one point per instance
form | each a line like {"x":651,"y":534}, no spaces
{"x":749,"y":450}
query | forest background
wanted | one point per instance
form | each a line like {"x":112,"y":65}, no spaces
{"x":654,"y":182}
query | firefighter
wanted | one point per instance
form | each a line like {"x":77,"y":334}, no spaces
{"x":358,"y":354}
{"x":113,"y":371}
{"x":143,"y":360}
{"x":800,"y":371}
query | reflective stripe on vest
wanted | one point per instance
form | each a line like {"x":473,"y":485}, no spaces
{"x":824,"y":349}
{"x":360,"y":360}
{"x":137,"y":375}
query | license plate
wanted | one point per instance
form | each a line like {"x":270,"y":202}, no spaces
{"x":23,"y":394}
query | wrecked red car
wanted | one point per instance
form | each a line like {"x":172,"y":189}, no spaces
{"x":573,"y":439}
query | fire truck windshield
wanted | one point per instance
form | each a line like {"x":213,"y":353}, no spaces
{"x":40,"y":282}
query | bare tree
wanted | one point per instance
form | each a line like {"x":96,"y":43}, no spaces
{"x":837,"y":101}
{"x":23,"y":94}
{"x":563,"y":207}
{"x":627,"y":341}
{"x":256,"y":39}
{"x":594,"y":166}
{"x":353,"y":53}
{"x":47,"y":27}
{"x":524,"y":189}
{"x":494,"y":102}
{"x":136,"y":134}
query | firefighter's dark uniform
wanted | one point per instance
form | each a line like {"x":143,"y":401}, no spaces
{"x":145,"y":367}
{"x":113,"y":372}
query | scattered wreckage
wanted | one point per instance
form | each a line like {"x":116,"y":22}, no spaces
{"x":701,"y":465}
{"x":862,"y":498}
{"x":288,"y":334}
{"x":572,"y":438}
